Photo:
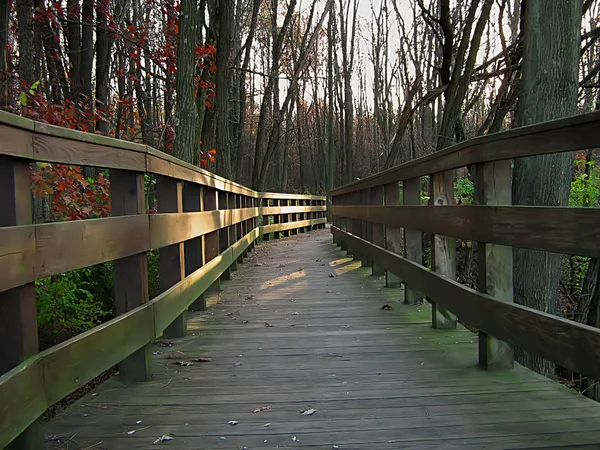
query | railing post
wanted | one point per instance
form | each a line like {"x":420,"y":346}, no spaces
{"x":277,"y":219}
{"x":285,"y":218}
{"x":356,"y":224}
{"x":302,"y":215}
{"x":211,"y":240}
{"x":238,"y":229}
{"x":377,"y":229}
{"x":169,"y":199}
{"x":130,"y":273}
{"x":494,"y":187}
{"x":393,"y":235}
{"x":365,"y":227}
{"x":18,"y":316}
{"x":443,"y":247}
{"x":266,"y":203}
{"x":294,"y":231}
{"x":226,"y":202}
{"x":193,"y":200}
{"x":413,"y":239}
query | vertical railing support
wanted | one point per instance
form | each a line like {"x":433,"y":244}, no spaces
{"x":193,"y":200}
{"x":130,"y":273}
{"x":494,"y":187}
{"x":211,"y":240}
{"x":393,"y":235}
{"x":443,"y":247}
{"x":169,"y":199}
{"x":413,"y":239}
{"x":18,"y":317}
{"x":377,"y":229}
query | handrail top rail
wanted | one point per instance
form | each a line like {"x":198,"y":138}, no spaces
{"x":575,"y":133}
{"x":40,"y":128}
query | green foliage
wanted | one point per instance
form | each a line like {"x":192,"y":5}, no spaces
{"x":585,"y":187}
{"x":73,"y":302}
{"x":585,"y":192}
{"x":464,"y":190}
{"x":153,"y":277}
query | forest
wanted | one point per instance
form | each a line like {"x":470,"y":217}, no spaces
{"x":290,"y":96}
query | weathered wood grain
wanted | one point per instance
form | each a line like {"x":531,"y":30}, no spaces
{"x":168,"y":229}
{"x":377,"y":378}
{"x":16,"y":142}
{"x":562,"y":341}
{"x":65,"y":246}
{"x":569,"y":134}
{"x":60,"y":150}
{"x":566,"y":230}
{"x":285,"y":226}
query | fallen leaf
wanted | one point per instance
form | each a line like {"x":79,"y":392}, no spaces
{"x":183,"y":363}
{"x":222,"y":438}
{"x":163,"y":438}
{"x":309,"y":412}
{"x":237,"y":364}
{"x":245,"y":321}
{"x":331,"y":275}
{"x":164,"y":343}
{"x":386,"y":306}
{"x":267,"y":324}
{"x":294,"y":313}
{"x":202,"y":359}
{"x":329,"y":292}
{"x":262,"y":408}
{"x":295,"y":439}
{"x":267,"y":424}
{"x":232,"y":422}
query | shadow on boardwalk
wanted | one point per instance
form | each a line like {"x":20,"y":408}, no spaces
{"x":301,"y":326}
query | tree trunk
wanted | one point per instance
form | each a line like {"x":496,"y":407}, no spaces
{"x":25,"y":40}
{"x":222,"y":89}
{"x":550,"y":84}
{"x":185,"y":109}
{"x":87,"y":49}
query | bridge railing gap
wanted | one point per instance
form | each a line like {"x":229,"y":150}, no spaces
{"x":360,"y":214}
{"x":203,"y":227}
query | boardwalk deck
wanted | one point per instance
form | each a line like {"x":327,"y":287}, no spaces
{"x":377,"y":378}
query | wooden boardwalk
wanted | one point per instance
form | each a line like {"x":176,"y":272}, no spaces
{"x":300,"y":326}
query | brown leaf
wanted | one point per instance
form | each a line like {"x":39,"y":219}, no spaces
{"x":386,"y":306}
{"x":202,"y":359}
{"x":262,"y":408}
{"x":183,"y":363}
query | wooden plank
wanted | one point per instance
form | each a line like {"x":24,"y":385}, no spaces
{"x":17,"y":255}
{"x":194,"y":248}
{"x":290,"y":225}
{"x":377,"y":230}
{"x":65,"y":246}
{"x":272,"y":210}
{"x":282,"y":196}
{"x":567,"y":343}
{"x":380,"y":379}
{"x":18,"y":317}
{"x":169,"y":305}
{"x":16,"y":142}
{"x":211,"y":240}
{"x":130,"y":273}
{"x":66,"y":151}
{"x":442,"y":248}
{"x":184,"y":171}
{"x":169,"y":197}
{"x":558,"y":229}
{"x":167,"y":229}
{"x":71,"y":364}
{"x":569,"y":134}
{"x":87,"y":138}
{"x":413,"y":238}
{"x":22,"y":402}
{"x":494,"y":187}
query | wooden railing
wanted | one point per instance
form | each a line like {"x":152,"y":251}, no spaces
{"x":384,"y":230}
{"x":205,"y":225}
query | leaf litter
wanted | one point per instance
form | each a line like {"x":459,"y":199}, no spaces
{"x":309,"y":412}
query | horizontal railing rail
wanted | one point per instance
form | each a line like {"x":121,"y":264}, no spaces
{"x":381,"y":219}
{"x":204,"y":226}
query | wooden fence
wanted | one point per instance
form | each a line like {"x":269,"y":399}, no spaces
{"x":381,"y":219}
{"x":205,"y":225}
